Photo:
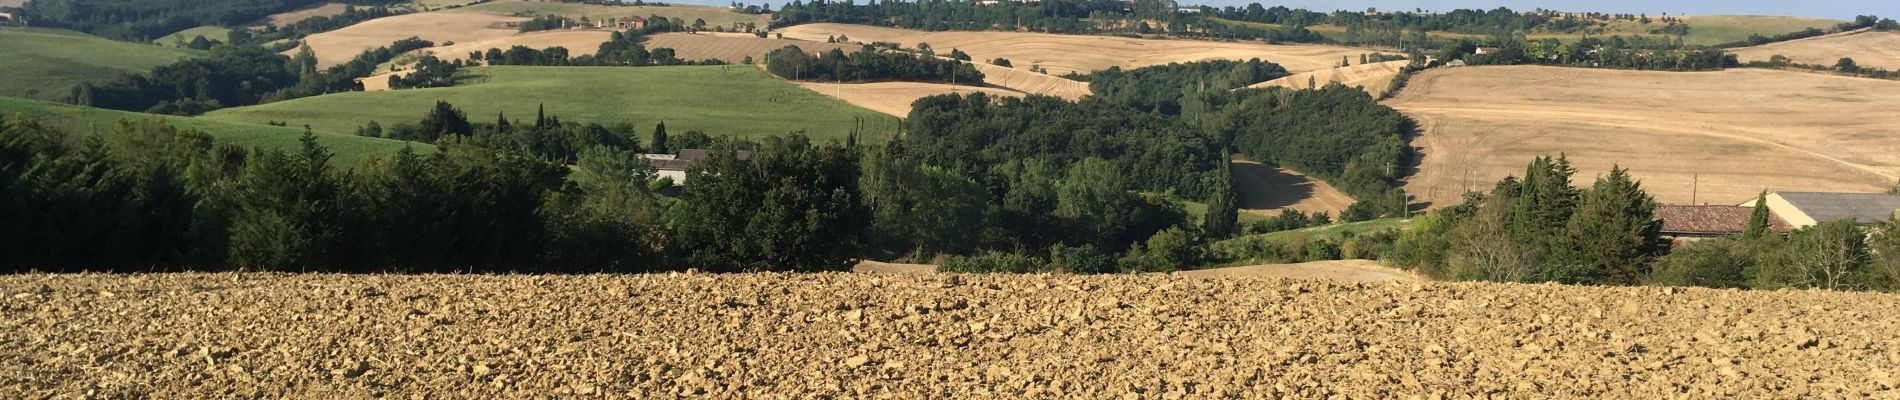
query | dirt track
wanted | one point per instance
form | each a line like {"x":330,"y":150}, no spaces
{"x":925,"y":336}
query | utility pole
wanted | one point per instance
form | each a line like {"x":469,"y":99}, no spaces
{"x":1695,"y":187}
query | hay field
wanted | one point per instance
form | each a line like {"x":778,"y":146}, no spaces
{"x":926,"y":336}
{"x":286,"y":18}
{"x":1718,"y":29}
{"x":1061,"y":54}
{"x":349,"y":149}
{"x":731,"y":48}
{"x":45,"y":64}
{"x":1741,"y":131}
{"x":339,"y":46}
{"x":1022,"y":80}
{"x":1266,"y":189}
{"x":714,"y":16}
{"x":1375,"y":78}
{"x":1867,"y":47}
{"x":577,"y":42}
{"x":894,"y":98}
{"x":732,"y":100}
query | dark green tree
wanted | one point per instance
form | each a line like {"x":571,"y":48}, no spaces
{"x":794,"y":206}
{"x":1223,"y":210}
{"x":660,"y":146}
{"x":1613,"y":235}
{"x":1758,"y":224}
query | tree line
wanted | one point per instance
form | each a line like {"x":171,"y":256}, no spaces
{"x":868,"y":65}
{"x":144,"y":20}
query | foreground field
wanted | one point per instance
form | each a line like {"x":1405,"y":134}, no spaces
{"x":1061,"y":54}
{"x":736,"y":100}
{"x":349,"y":149}
{"x":894,"y":98}
{"x":45,"y":63}
{"x":1710,"y":137}
{"x":1375,"y":78}
{"x":926,"y":336}
{"x":1868,"y":48}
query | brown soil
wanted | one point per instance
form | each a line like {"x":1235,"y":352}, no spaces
{"x":1367,"y":271}
{"x":1868,"y":48}
{"x":1061,"y":54}
{"x":894,"y":98}
{"x":1374,"y":78}
{"x":1703,"y":137}
{"x":925,"y":336}
{"x":1266,"y":189}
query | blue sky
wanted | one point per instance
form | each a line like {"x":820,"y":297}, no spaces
{"x":1837,"y":9}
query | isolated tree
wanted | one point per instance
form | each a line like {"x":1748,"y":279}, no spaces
{"x":1223,"y":211}
{"x":1846,"y":65}
{"x":659,"y":139}
{"x":999,"y":61}
{"x":1758,"y":220}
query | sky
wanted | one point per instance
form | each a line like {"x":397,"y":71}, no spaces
{"x":1836,"y":9}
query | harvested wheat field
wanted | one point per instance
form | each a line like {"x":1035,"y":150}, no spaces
{"x":926,"y":336}
{"x":577,"y":42}
{"x":1061,"y":54}
{"x":1266,"y":189}
{"x":1867,"y":47}
{"x":1032,"y":82}
{"x":339,"y":46}
{"x":1374,"y":78}
{"x":286,"y":18}
{"x":733,"y":49}
{"x":1741,"y":131}
{"x":894,"y":98}
{"x":1366,"y":271}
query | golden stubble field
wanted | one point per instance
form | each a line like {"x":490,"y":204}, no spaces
{"x":1061,"y":54}
{"x":895,"y":98}
{"x":734,"y":48}
{"x":1375,"y":78}
{"x":1714,"y":137}
{"x":1868,"y":48}
{"x":339,"y":46}
{"x":920,"y":336}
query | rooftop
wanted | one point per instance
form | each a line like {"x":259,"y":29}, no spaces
{"x":1712,"y":219}
{"x":1864,"y":208}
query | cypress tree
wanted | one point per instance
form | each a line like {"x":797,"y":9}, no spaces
{"x":659,"y":139}
{"x":541,"y":116}
{"x":1613,"y":235}
{"x":1223,"y":212}
{"x":1758,"y":219}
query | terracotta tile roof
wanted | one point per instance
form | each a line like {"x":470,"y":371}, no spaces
{"x":1712,"y":219}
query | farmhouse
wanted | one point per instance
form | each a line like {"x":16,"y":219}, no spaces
{"x":634,"y":22}
{"x":1804,"y":209}
{"x":675,"y":165}
{"x":1690,"y":223}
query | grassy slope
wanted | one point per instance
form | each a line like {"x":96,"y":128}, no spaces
{"x":1197,"y":212}
{"x":714,"y":16}
{"x":719,"y":100}
{"x":348,"y":149}
{"x":45,"y":64}
{"x":176,"y":39}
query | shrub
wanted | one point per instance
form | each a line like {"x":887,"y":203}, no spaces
{"x":993,"y":262}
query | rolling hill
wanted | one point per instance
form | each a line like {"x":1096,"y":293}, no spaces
{"x":349,"y":149}
{"x":1701,"y":137}
{"x":733,"y":100}
{"x":1375,"y":78}
{"x":1061,"y":54}
{"x":1868,"y":48}
{"x":45,"y":64}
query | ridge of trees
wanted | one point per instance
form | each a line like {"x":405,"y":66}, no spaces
{"x":868,"y":65}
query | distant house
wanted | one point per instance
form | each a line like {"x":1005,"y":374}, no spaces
{"x":1455,"y":63}
{"x":1485,"y":50}
{"x":634,"y":22}
{"x":675,"y":165}
{"x":1804,"y":209}
{"x":1689,"y":223}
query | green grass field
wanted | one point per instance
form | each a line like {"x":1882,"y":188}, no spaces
{"x":714,"y":16}
{"x":349,"y":149}
{"x":45,"y":63}
{"x":179,"y":38}
{"x":719,"y":100}
{"x":1197,"y":212}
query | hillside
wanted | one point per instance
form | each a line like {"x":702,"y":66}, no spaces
{"x":349,"y":149}
{"x":1061,"y":54}
{"x":894,"y":98}
{"x":929,"y":336}
{"x":45,"y":64}
{"x":339,"y":46}
{"x":714,"y":16}
{"x":1868,"y":48}
{"x":727,"y":100}
{"x":1266,"y":189}
{"x":733,"y":48}
{"x":1710,"y":137}
{"x":1375,"y":78}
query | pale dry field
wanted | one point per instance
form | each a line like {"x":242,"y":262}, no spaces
{"x":926,"y":336}
{"x":734,"y":48}
{"x":687,"y":13}
{"x":1740,"y":131}
{"x":1061,"y":54}
{"x":1374,"y":78}
{"x":1266,"y":189}
{"x":339,"y":46}
{"x":577,"y":42}
{"x":894,"y":98}
{"x":1022,"y":80}
{"x":1867,"y":47}
{"x":12,"y":3}
{"x":287,"y":18}
{"x":1366,"y":271}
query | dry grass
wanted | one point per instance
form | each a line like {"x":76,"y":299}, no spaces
{"x":1868,"y":48}
{"x":714,"y":16}
{"x":1739,"y":131}
{"x":894,"y":98}
{"x":1340,"y":270}
{"x":1375,"y":78}
{"x":291,"y":17}
{"x":1265,"y":190}
{"x":733,"y":48}
{"x":1031,"y":82}
{"x":1061,"y":54}
{"x":339,"y":46}
{"x":577,"y":42}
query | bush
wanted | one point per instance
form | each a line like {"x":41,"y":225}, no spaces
{"x":993,"y":262}
{"x":1084,"y":259}
{"x":1321,"y":250}
{"x":1718,"y":263}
